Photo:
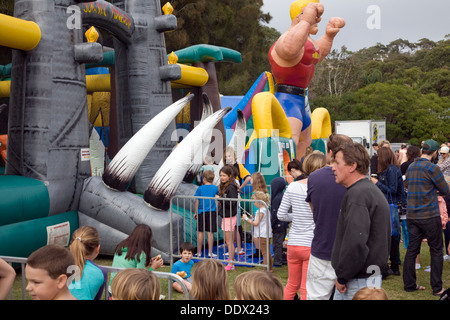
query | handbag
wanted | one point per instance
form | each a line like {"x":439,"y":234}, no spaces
{"x":395,"y":221}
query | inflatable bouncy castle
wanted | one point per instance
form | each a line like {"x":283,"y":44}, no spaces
{"x":92,"y":132}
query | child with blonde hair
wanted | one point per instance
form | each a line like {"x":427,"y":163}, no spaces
{"x":262,"y":231}
{"x":258,"y":184}
{"x":135,"y":284}
{"x":370,"y":293}
{"x":85,"y":246}
{"x":258,"y":285}
{"x":210,"y":281}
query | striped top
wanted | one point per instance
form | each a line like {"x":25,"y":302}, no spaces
{"x":301,"y":231}
{"x":424,"y":179}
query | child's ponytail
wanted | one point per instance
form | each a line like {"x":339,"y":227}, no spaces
{"x":84,"y":241}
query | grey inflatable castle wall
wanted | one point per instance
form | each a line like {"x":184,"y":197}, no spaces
{"x":48,"y":128}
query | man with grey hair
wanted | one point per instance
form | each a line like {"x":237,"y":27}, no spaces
{"x":363,"y":236}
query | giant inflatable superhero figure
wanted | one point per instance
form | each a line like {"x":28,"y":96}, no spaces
{"x":293,"y":58}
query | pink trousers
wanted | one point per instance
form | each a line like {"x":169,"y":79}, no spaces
{"x":297,"y":258}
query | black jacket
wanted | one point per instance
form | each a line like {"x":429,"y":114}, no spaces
{"x":227,"y":208}
{"x":363,"y":234}
{"x":277,"y":187}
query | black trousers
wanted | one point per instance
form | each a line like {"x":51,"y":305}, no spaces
{"x":395,"y":253}
{"x":277,"y":243}
{"x":419,"y":229}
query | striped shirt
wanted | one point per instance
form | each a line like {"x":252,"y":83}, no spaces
{"x":423,"y":179}
{"x":301,"y":231}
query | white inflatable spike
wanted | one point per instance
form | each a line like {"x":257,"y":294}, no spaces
{"x":127,"y":161}
{"x":207,"y":107}
{"x":237,"y":142}
{"x":170,"y":175}
{"x":193,"y":170}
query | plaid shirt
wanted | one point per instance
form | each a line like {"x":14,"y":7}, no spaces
{"x":445,"y":166}
{"x":423,"y":179}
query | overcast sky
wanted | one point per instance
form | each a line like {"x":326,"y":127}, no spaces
{"x":372,"y":21}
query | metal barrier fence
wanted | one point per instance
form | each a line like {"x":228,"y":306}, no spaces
{"x":185,"y":206}
{"x":161,"y":275}
{"x":242,"y":234}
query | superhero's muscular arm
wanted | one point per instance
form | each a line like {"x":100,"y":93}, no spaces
{"x":326,"y":41}
{"x":289,"y":48}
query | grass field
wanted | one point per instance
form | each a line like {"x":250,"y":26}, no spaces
{"x":393,"y":284}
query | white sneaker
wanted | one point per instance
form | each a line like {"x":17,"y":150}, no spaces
{"x":212,"y":255}
{"x":418,"y":266}
{"x":446,"y":257}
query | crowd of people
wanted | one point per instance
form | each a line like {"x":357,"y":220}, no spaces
{"x":344,"y":230}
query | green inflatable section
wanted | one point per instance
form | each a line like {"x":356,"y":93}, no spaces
{"x":319,"y":144}
{"x":270,"y":156}
{"x":22,"y":199}
{"x":205,"y":53}
{"x":22,"y":238}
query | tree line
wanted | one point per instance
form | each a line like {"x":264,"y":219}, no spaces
{"x":407,"y":84}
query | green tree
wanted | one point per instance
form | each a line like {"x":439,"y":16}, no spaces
{"x":235,"y":24}
{"x":436,"y":81}
{"x":336,"y":74}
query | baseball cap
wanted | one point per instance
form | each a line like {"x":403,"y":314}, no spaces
{"x":430,"y":145}
{"x":444,"y":150}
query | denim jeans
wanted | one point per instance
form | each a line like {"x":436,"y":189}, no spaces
{"x":430,"y":229}
{"x":354,"y":285}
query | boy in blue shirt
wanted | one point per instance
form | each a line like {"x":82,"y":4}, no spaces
{"x":183,"y":266}
{"x":205,"y":212}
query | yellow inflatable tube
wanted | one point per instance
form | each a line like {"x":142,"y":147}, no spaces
{"x":320,"y":124}
{"x":19,"y":34}
{"x":191,"y":77}
{"x":5,"y":88}
{"x":98,"y":83}
{"x":94,"y":83}
{"x":268,"y":115}
{"x":97,"y":101}
{"x":268,"y":118}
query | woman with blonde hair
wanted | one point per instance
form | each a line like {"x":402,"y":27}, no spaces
{"x":135,"y":284}
{"x":210,"y":281}
{"x":85,"y":246}
{"x":301,"y":231}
